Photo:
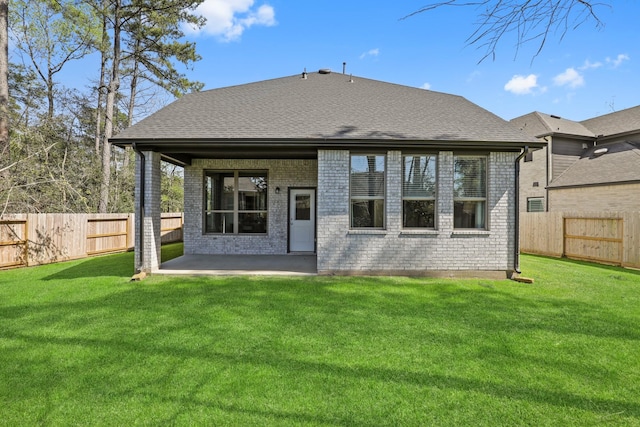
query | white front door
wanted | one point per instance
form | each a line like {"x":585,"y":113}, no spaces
{"x":302,"y":220}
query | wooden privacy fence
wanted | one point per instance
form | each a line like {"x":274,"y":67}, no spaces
{"x":604,"y":237}
{"x":13,"y":242}
{"x":29,"y":239}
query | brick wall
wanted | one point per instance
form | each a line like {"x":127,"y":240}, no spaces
{"x":394,"y":250}
{"x":443,"y":251}
{"x":281,"y":173}
{"x":151,"y":218}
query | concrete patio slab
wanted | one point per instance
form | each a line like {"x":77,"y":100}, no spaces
{"x":231,"y":265}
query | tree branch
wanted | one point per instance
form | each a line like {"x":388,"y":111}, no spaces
{"x":530,"y":20}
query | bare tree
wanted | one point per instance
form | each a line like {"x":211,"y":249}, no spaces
{"x":104,"y":57}
{"x":4,"y":79}
{"x":51,"y":34}
{"x":112,"y":90}
{"x":159,"y":38}
{"x":530,"y":21}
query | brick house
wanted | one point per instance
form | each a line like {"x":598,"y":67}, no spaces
{"x":371,"y":177}
{"x":592,"y":165}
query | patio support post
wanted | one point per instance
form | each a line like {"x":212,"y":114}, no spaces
{"x":147,"y":202}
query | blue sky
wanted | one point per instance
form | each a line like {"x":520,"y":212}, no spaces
{"x":589,"y":72}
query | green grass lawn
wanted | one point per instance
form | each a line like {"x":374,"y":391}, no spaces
{"x":82,"y":345}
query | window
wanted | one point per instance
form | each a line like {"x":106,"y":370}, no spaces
{"x":418,"y":191}
{"x":535,"y":204}
{"x":469,"y":192}
{"x":303,"y":207}
{"x":236,"y":202}
{"x":367,"y":188}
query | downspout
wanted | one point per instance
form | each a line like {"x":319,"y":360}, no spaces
{"x":516,"y":249}
{"x":142,"y":210}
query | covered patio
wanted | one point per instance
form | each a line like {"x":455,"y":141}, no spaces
{"x":221,"y":265}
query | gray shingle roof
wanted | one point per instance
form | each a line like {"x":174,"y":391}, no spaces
{"x":540,"y":124}
{"x":620,"y":163}
{"x":323,"y":106}
{"x":623,"y":121}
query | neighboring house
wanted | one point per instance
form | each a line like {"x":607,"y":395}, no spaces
{"x":372,"y":177}
{"x":605,"y":178}
{"x":593,"y":165}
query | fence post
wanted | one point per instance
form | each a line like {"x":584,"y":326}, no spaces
{"x":564,"y":236}
{"x":26,"y":242}
{"x":127,"y":242}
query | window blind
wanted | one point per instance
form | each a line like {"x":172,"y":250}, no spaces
{"x":470,"y":177}
{"x":367,"y":177}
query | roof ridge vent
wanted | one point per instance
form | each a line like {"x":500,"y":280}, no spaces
{"x":324,"y":71}
{"x":553,"y":116}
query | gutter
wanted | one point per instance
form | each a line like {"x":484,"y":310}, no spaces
{"x":516,"y":249}
{"x":142,"y":207}
{"x":322,"y":142}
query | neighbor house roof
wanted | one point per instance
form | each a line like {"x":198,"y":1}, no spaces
{"x":620,"y":122}
{"x":603,"y":164}
{"x":540,"y":125}
{"x":324,"y":108}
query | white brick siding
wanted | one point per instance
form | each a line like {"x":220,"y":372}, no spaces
{"x":343,"y":251}
{"x":284,"y":174}
{"x":152,"y":237}
{"x":394,"y":250}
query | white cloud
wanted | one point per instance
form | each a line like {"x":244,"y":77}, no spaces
{"x":371,"y":52}
{"x":228,"y":19}
{"x":471,"y":77}
{"x":570,"y":77}
{"x":522,"y":85}
{"x":426,"y":86}
{"x":618,"y":60}
{"x":589,"y":65}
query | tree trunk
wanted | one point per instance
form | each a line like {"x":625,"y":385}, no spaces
{"x":50,"y":98}
{"x":112,"y":91}
{"x":4,"y":81}
{"x":103,"y":67}
{"x":134,"y":88}
{"x":132,"y":102}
